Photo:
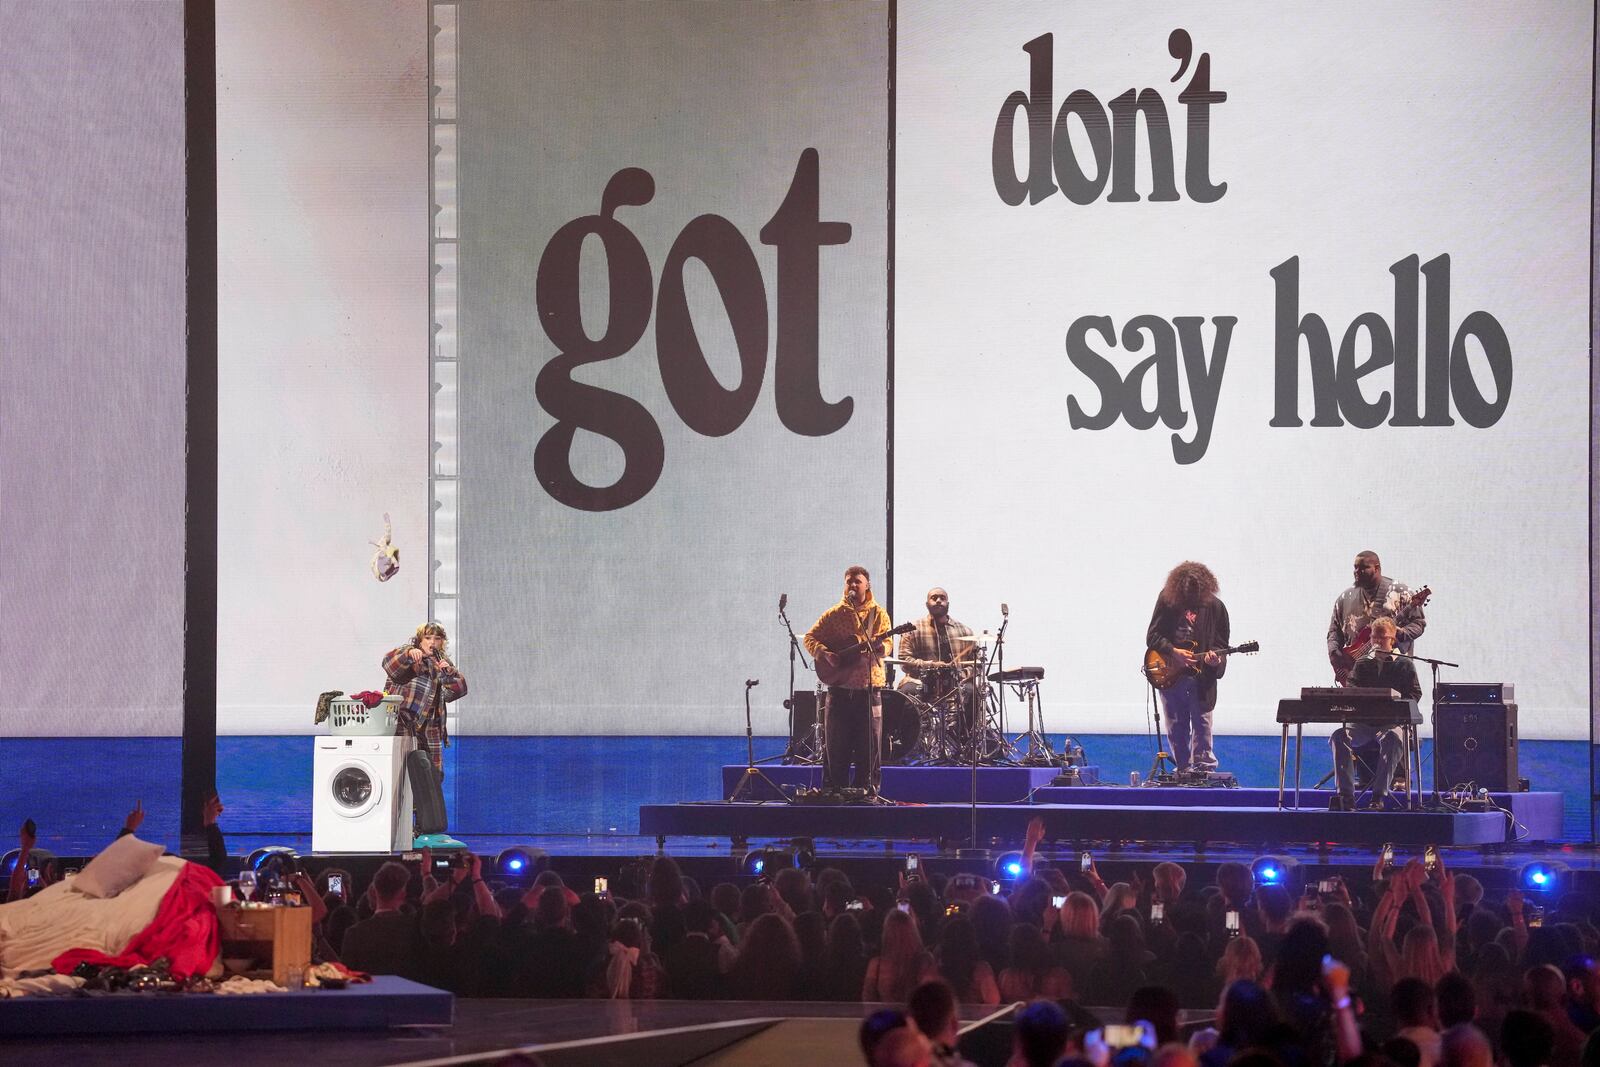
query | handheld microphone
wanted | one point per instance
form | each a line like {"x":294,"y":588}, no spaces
{"x":783,"y":601}
{"x":751,"y":683}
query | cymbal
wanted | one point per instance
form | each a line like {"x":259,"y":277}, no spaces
{"x":971,"y":639}
{"x":894,"y":662}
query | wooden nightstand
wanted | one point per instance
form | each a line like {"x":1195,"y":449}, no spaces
{"x":277,"y":938}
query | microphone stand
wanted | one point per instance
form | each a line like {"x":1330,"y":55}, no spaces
{"x":1433,"y":713}
{"x":1000,"y":665}
{"x":1158,"y":769}
{"x":788,"y":702}
{"x":751,"y":771}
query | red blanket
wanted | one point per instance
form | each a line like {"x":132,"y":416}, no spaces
{"x":184,"y":930}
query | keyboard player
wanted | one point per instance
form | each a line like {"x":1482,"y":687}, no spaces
{"x":1381,"y":669}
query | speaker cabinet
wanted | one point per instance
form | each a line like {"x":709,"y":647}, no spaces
{"x":803,"y":704}
{"x":1476,"y":743}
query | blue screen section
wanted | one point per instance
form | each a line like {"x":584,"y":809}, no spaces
{"x":79,"y":789}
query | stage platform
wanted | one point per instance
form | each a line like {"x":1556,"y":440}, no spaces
{"x":381,"y":1004}
{"x":1537,"y":815}
{"x":1533,"y":816}
{"x":1190,"y":820}
{"x":911,"y":785}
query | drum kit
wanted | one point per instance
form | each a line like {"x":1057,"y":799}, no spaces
{"x":953,"y":716}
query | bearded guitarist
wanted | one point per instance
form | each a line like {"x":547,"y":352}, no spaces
{"x":849,"y":642}
{"x":1373,"y":596}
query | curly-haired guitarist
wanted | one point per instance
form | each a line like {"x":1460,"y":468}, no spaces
{"x":1190,"y":622}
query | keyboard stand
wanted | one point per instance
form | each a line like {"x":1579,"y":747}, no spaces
{"x":1413,"y":762}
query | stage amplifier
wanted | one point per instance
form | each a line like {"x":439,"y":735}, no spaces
{"x":1477,"y":693}
{"x":1476,"y":743}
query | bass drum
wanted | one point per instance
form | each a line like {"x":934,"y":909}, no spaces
{"x":902,"y":728}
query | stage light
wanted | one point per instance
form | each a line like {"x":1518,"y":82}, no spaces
{"x":766,"y":862}
{"x":519,"y":861}
{"x":1274,"y":870}
{"x":1010,"y":867}
{"x":37,"y":859}
{"x":1544,"y":876}
{"x":514,"y":862}
{"x":262,"y":856}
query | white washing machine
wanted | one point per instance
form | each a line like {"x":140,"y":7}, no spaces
{"x":362,"y":801}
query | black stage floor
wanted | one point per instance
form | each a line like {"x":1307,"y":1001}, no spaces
{"x":481,"y":1027}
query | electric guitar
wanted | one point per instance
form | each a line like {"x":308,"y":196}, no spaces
{"x":1361,"y":644}
{"x":836,"y":665}
{"x":1165,"y":671}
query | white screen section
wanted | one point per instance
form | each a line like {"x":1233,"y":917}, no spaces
{"x":92,"y":345}
{"x":322,"y":229}
{"x":760,"y":469}
{"x":1352,"y":137}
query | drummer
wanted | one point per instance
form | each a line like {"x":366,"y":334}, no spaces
{"x":938,"y":656}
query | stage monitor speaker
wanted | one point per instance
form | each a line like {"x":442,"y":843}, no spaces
{"x":1476,"y":743}
{"x":803,"y":702}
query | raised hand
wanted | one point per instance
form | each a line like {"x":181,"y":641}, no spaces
{"x":1336,"y":978}
{"x":135,"y":817}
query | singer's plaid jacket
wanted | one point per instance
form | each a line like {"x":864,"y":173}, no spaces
{"x":424,"y":692}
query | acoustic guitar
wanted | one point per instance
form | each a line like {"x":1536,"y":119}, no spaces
{"x":837,"y":664}
{"x":1166,"y":671}
{"x":1361,"y":644}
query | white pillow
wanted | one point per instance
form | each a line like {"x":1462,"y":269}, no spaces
{"x":119,"y":865}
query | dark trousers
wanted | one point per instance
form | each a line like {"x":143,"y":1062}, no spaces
{"x":855,"y":730}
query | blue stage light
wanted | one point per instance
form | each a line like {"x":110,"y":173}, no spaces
{"x":1274,"y":870}
{"x":262,"y":856}
{"x":766,"y":862}
{"x":1544,"y":876}
{"x":38,"y":859}
{"x":1010,"y":867}
{"x":515,"y":862}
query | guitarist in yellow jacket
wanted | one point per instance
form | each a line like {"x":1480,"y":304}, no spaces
{"x":849,"y":642}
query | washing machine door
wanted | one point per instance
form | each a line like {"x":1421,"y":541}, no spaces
{"x":355,"y":788}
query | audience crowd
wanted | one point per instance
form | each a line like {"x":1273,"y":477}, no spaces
{"x":1412,"y":968}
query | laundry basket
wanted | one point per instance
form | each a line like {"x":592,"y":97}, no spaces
{"x":353,"y":718}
